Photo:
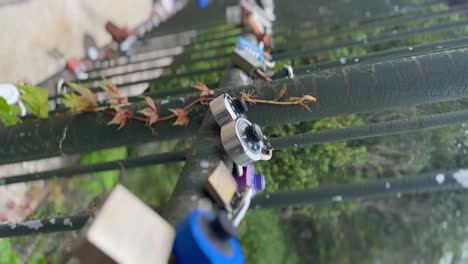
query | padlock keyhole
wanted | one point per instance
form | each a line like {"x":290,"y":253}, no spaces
{"x":254,"y":133}
{"x":241,"y":105}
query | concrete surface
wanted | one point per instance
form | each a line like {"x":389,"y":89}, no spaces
{"x":34,"y":33}
{"x":36,"y":37}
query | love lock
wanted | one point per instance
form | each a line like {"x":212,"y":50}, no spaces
{"x":125,"y":230}
{"x":249,"y":178}
{"x":221,"y":186}
{"x":249,"y":63}
{"x":225,"y":109}
{"x":206,"y":238}
{"x":244,"y":142}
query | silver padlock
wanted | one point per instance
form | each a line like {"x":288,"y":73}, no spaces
{"x":244,"y":142}
{"x":125,"y":230}
{"x":225,"y":109}
{"x":249,"y":64}
{"x":246,"y":61}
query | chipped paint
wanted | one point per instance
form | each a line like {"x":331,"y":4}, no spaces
{"x":204,"y":164}
{"x":33,"y":224}
{"x":461,"y":176}
{"x":337,"y":198}
{"x":62,"y":139}
{"x":67,"y":222}
{"x":440,"y":178}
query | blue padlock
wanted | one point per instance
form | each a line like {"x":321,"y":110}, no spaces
{"x":247,"y":45}
{"x":203,"y":238}
{"x":203,"y":3}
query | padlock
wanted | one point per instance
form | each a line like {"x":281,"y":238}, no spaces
{"x":225,"y":109}
{"x":76,"y":67}
{"x":203,"y":3}
{"x":125,"y":230}
{"x":244,"y":142}
{"x":249,"y":178}
{"x":127,"y":43}
{"x":154,"y":18}
{"x":161,"y":11}
{"x":117,"y":34}
{"x":259,"y":23}
{"x":268,"y":7}
{"x":169,"y":6}
{"x":206,"y":238}
{"x":221,"y":186}
{"x":246,"y":61}
{"x":252,"y":48}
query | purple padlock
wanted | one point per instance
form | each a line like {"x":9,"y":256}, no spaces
{"x":249,"y":179}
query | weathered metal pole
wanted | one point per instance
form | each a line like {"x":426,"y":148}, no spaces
{"x":187,"y":196}
{"x":394,"y":83}
{"x":429,"y":182}
{"x":149,"y":160}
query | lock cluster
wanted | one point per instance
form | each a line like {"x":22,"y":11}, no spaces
{"x":243,"y":141}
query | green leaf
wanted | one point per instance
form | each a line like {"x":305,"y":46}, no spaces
{"x":36,"y":100}
{"x":102,"y":181}
{"x":7,"y":254}
{"x":9,"y":114}
{"x":37,"y":259}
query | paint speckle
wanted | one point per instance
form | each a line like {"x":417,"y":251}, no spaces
{"x":440,"y":178}
{"x":444,"y":225}
{"x":22,"y":134}
{"x":398,"y":195}
{"x":164,"y":102}
{"x":52,"y":220}
{"x":387,"y":185}
{"x":64,"y":136}
{"x":67,"y":222}
{"x":337,"y":198}
{"x":410,"y":48}
{"x":461,"y":177}
{"x":205,"y":164}
{"x":33,"y":224}
{"x":356,"y":60}
{"x":296,"y":145}
{"x":267,"y":196}
{"x":343,"y":60}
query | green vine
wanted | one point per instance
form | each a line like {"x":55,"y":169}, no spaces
{"x":84,"y":100}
